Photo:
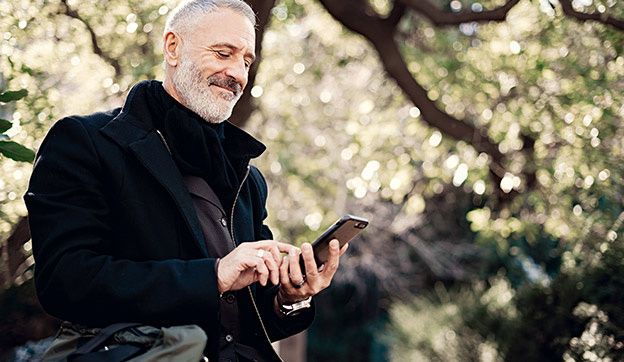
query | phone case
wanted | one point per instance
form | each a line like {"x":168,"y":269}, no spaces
{"x":345,"y":229}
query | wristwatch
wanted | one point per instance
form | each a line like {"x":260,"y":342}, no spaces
{"x":295,"y":308}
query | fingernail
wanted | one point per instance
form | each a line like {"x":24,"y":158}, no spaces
{"x":293,"y":251}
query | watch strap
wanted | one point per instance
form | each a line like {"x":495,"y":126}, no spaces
{"x":294,"y":308}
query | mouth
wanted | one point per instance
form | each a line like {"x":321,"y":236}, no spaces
{"x":229,"y":88}
{"x":226,"y":88}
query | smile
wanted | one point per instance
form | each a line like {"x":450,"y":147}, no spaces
{"x":225,"y":88}
{"x":230,"y":92}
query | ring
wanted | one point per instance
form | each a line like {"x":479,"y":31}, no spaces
{"x":260,"y":253}
{"x":298,"y":285}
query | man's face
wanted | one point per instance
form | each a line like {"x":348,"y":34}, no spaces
{"x":214,"y":62}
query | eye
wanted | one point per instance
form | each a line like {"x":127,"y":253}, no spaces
{"x":223,"y":54}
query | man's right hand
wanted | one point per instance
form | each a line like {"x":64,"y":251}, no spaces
{"x":251,"y":262}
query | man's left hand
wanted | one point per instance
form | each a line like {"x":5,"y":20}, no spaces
{"x":316,"y":278}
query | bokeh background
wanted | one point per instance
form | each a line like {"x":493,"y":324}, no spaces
{"x":484,"y":141}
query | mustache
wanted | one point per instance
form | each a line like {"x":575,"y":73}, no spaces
{"x":225,"y":81}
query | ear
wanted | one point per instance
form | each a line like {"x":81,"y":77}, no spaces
{"x":172,"y":48}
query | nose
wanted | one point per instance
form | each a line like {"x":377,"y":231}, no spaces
{"x":238,"y":71}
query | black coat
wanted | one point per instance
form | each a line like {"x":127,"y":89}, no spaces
{"x":116,"y":237}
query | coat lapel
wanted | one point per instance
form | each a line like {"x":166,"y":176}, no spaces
{"x":152,"y":153}
{"x":154,"y":156}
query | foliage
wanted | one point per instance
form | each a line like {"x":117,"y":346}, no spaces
{"x":577,"y":316}
{"x":12,"y":149}
{"x":538,"y":74}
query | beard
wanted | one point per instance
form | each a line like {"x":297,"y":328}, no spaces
{"x":195,"y":91}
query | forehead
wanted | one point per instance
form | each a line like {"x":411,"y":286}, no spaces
{"x":224,"y":26}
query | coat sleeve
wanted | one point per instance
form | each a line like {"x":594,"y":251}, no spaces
{"x":77,"y":277}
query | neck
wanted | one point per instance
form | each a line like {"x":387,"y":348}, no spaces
{"x":170,"y":89}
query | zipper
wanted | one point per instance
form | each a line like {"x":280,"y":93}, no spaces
{"x":164,"y":141}
{"x":253,"y":300}
{"x":240,"y":187}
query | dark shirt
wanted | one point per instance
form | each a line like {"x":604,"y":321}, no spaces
{"x":212,"y":217}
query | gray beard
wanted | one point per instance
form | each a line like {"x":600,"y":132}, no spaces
{"x":195,"y":92}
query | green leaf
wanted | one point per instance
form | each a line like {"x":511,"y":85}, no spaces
{"x":13,"y":95}
{"x":27,"y":70}
{"x":16,"y":151}
{"x":5,"y":125}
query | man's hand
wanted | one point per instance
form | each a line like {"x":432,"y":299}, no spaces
{"x":316,"y":278}
{"x":251,"y":262}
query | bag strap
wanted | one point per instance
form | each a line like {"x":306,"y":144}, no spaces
{"x":119,"y":353}
{"x":98,"y":339}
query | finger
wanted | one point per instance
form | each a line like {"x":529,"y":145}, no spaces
{"x":334,"y":258}
{"x":265,"y":244}
{"x":308,"y":260}
{"x":344,"y":248}
{"x":275,"y":253}
{"x":262,"y":272}
{"x":284,"y":278}
{"x":293,"y":268}
{"x":285,"y":248}
{"x":269,"y":244}
{"x":272,"y":266}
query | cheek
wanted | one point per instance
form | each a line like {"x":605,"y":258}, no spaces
{"x":208,"y":67}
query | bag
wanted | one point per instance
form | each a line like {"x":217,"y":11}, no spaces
{"x":127,"y":342}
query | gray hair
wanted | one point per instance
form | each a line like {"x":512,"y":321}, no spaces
{"x":185,"y":15}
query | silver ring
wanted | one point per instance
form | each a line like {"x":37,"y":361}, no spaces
{"x":260,"y":253}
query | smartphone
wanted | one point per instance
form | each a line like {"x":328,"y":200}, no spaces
{"x":345,"y":229}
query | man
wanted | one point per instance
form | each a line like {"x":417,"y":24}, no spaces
{"x":150,"y":213}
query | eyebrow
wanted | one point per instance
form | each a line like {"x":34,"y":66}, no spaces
{"x":233,"y":47}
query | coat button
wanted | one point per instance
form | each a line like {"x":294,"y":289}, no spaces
{"x":229,"y":338}
{"x":230,"y":298}
{"x":223,"y":222}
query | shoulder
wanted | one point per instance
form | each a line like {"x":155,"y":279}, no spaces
{"x":258,"y":180}
{"x":256,"y":176}
{"x":76,"y":134}
{"x":90,"y":122}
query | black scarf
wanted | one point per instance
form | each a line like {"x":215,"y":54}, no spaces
{"x":219,"y":153}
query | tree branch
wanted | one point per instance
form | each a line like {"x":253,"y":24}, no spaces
{"x":245,"y":104}
{"x":380,"y":35}
{"x":568,"y":10}
{"x":12,"y":252}
{"x":397,"y":12}
{"x":441,"y":17}
{"x":94,"y":39}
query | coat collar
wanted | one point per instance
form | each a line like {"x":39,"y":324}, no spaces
{"x":133,"y":129}
{"x":134,"y":122}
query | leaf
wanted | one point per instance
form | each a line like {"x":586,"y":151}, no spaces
{"x":16,"y":151}
{"x":5,"y":125}
{"x":27,"y":70}
{"x":13,"y":95}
